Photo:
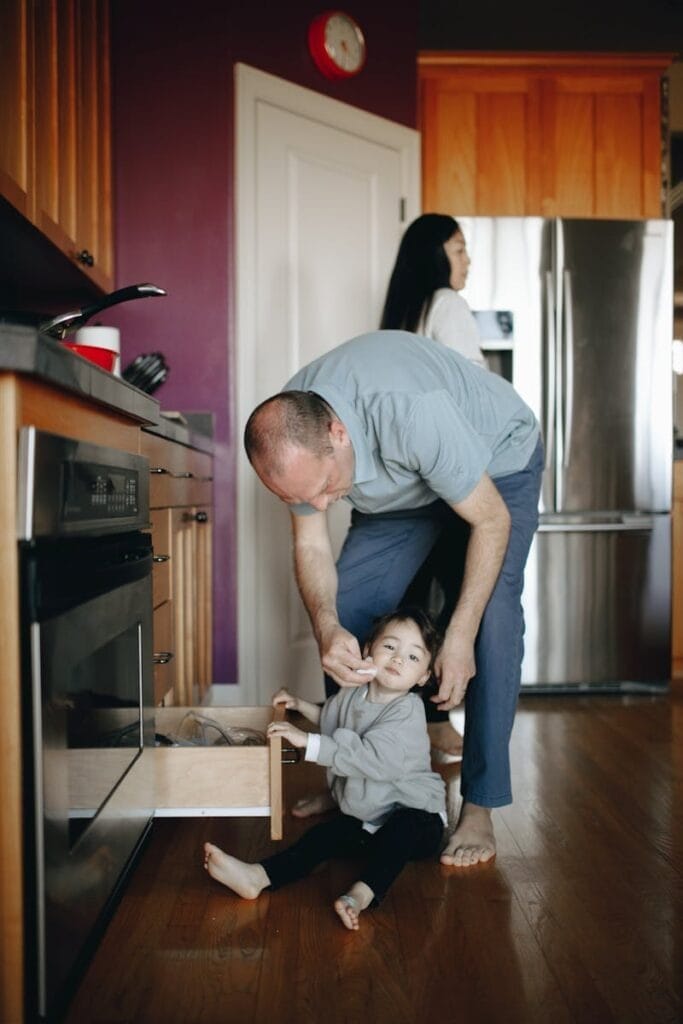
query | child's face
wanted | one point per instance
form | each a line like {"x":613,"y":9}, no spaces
{"x":400,"y":656}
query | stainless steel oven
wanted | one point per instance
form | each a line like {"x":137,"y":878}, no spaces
{"x":86,"y":648}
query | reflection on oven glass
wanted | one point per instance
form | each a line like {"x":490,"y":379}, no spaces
{"x":100,"y":709}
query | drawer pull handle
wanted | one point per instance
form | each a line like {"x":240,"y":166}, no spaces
{"x":183,"y":476}
{"x":159,"y":469}
{"x":86,"y":258}
{"x":161,"y":558}
{"x":201,"y":517}
{"x":290,"y":755}
{"x":162,"y":657}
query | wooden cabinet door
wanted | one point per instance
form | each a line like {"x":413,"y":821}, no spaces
{"x":551,"y":135}
{"x":603,"y":145}
{"x":203,"y":596}
{"x":480,"y":142}
{"x":15,"y":103}
{"x":677,"y":575}
{"x":72,"y":203}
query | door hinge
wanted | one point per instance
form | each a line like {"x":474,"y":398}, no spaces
{"x":402,"y":209}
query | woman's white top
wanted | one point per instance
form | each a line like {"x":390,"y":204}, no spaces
{"x":450,"y":321}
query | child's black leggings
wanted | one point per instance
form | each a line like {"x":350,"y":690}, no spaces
{"x":408,"y":834}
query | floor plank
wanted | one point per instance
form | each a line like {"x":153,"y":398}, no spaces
{"x":579,"y":918}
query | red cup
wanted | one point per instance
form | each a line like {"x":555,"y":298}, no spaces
{"x":104,"y":357}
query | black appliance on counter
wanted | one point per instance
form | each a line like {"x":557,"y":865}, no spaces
{"x":87,"y":689}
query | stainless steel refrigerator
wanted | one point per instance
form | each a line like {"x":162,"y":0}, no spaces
{"x":579,"y":315}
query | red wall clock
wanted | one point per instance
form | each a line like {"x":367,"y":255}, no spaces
{"x":336,"y":44}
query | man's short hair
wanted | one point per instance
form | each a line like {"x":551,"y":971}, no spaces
{"x":299,"y":419}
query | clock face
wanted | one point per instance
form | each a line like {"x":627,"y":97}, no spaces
{"x":337,"y":44}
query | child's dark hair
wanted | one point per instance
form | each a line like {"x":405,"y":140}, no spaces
{"x":410,"y":613}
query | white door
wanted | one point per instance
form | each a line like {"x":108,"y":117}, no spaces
{"x":324,"y":192}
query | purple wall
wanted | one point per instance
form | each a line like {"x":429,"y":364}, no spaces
{"x":173,"y":96}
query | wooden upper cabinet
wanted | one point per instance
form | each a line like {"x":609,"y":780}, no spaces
{"x":57,"y":85}
{"x":552,"y":135}
{"x":15,"y":103}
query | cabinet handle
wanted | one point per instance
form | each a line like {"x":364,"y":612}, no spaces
{"x":86,"y":258}
{"x":161,"y":558}
{"x":183,"y":476}
{"x":162,"y":657}
{"x":201,"y":517}
{"x":159,"y":469}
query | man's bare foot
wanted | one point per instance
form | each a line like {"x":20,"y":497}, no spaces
{"x":310,"y":805}
{"x":473,"y":841}
{"x":444,"y":738}
{"x":351,"y":905}
{"x":247,"y":880}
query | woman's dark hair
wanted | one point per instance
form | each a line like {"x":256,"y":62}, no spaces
{"x":431,"y":637}
{"x":421,"y":267}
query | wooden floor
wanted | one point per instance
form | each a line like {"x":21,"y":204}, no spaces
{"x":580,"y":918}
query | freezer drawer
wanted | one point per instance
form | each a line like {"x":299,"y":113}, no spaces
{"x":597,"y":606}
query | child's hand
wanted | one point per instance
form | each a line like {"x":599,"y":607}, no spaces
{"x":297,"y":737}
{"x":285,"y":697}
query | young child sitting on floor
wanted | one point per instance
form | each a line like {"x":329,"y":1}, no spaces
{"x":373,"y":740}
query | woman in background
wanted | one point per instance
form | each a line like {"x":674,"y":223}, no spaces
{"x":431,"y":268}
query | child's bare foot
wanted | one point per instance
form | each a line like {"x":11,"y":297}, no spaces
{"x":247,"y":880}
{"x":353,"y":903}
{"x":310,"y":805}
{"x":444,"y":738}
{"x":473,"y":841}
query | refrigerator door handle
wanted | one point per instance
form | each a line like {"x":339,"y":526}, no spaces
{"x":568,"y":367}
{"x":550,"y":386}
{"x":620,"y":525}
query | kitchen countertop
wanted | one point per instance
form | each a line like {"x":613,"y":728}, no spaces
{"x":25,"y":350}
{"x":174,"y":431}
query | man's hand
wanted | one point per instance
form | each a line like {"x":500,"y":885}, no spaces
{"x":341,"y":658}
{"x":454,"y":667}
{"x":297,"y":737}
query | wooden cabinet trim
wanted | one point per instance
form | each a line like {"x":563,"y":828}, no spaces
{"x":434,"y":61}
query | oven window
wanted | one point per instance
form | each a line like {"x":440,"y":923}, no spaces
{"x":94,"y":710}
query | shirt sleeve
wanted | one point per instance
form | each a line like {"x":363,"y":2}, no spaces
{"x":379,"y":754}
{"x":443,"y":448}
{"x":451,"y":323}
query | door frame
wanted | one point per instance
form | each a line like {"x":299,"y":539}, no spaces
{"x":251,"y":88}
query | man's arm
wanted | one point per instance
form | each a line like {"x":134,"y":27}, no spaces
{"x":316,"y":577}
{"x":489,"y":520}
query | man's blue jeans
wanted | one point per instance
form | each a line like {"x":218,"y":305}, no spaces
{"x":381,"y":555}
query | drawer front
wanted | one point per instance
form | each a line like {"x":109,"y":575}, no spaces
{"x":161,"y":541}
{"x":164,"y":651}
{"x":178,"y":475}
{"x":219,"y":781}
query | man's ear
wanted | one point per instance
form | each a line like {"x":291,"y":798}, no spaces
{"x":339,"y":435}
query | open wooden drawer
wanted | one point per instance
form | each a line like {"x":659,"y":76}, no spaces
{"x":220,"y":781}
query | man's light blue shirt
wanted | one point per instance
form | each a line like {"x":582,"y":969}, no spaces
{"x":424,"y":422}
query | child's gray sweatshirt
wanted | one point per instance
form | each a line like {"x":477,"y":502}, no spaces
{"x":377,"y":755}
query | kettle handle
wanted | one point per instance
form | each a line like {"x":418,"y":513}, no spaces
{"x":61,"y":324}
